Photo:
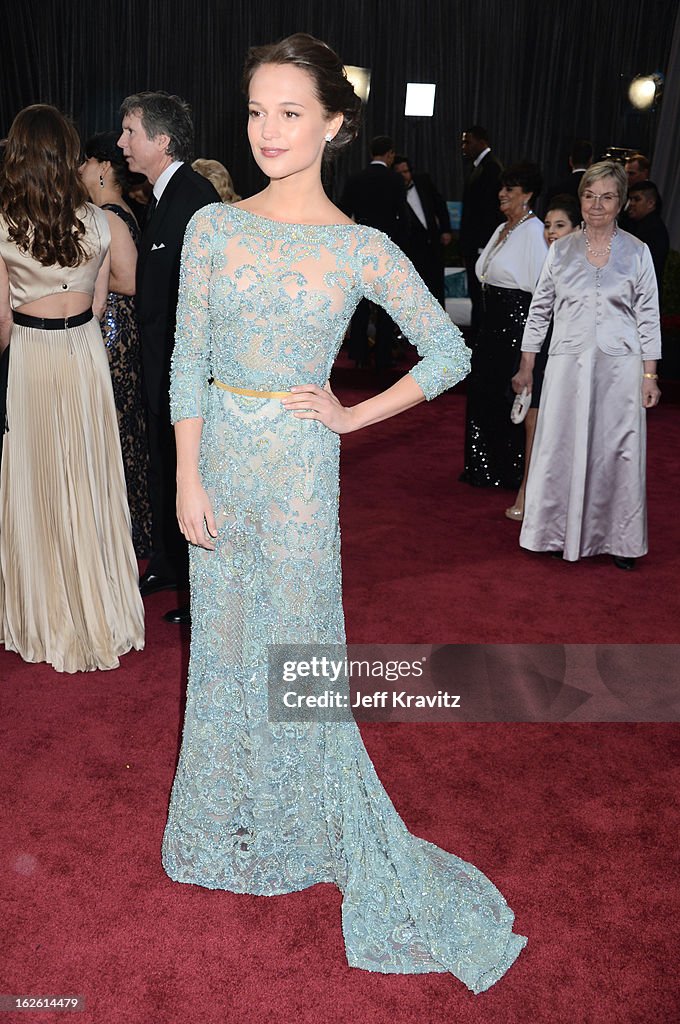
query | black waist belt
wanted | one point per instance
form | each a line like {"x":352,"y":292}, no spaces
{"x":52,"y":323}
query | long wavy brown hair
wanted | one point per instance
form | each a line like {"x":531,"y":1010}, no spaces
{"x":40,"y":188}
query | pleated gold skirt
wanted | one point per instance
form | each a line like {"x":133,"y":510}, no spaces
{"x":69,"y":591}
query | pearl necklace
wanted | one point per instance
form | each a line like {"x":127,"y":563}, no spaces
{"x":499,"y":245}
{"x":597,"y":252}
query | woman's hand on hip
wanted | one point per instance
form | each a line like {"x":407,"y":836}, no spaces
{"x":310,"y":402}
{"x":650,"y":393}
{"x":195,"y":515}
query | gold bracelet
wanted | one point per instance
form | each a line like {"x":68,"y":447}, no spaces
{"x":651,"y":376}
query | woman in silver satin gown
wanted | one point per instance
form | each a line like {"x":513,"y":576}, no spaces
{"x":585,"y":493}
{"x":562,"y":217}
{"x":267,"y":289}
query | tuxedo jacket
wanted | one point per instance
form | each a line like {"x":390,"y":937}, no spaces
{"x":376,"y":196}
{"x":435,"y":211}
{"x":566,"y":186}
{"x":158,"y":265}
{"x":616,"y":309}
{"x":653,"y":232}
{"x":481,"y":214}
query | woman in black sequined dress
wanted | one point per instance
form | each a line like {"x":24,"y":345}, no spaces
{"x":105,"y":174}
{"x":508,"y":269}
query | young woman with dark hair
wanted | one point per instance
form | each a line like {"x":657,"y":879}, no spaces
{"x":68,"y":573}
{"x":268,"y":287}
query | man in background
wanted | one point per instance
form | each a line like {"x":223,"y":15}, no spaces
{"x":376,"y":196}
{"x":429,"y":226}
{"x":644,"y":221}
{"x":637,"y":169}
{"x":481,"y":213}
{"x":157,"y":141}
{"x":580,"y":158}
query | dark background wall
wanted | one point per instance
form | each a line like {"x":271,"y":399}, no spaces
{"x":535,"y":74}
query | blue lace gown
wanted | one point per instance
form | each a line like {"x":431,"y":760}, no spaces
{"x":267,"y":808}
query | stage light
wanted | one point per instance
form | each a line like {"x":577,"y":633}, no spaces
{"x":419,"y":99}
{"x":360,"y":79}
{"x":645,"y":90}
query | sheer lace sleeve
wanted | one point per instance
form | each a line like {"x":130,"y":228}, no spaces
{"x":390,"y":279}
{"x":191,"y":355}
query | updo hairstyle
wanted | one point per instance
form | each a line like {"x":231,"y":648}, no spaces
{"x":525,"y":174}
{"x":332,"y":88}
{"x":103,"y":147}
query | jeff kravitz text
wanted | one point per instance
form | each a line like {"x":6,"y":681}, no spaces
{"x":378,"y":699}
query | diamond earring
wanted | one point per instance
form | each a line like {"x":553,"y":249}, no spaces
{"x":329,"y":137}
{"x":101,"y":181}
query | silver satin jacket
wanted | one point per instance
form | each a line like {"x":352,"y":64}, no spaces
{"x":615,"y":307}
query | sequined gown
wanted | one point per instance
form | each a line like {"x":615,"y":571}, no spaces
{"x":266,"y":808}
{"x":121,"y":337}
{"x":494,"y":445}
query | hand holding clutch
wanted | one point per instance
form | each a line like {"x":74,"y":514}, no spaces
{"x":521,"y":406}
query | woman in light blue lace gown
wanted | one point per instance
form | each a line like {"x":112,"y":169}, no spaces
{"x":267,"y":289}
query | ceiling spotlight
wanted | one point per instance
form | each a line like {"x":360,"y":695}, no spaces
{"x":645,"y":90}
{"x":419,"y":99}
{"x":360,"y":79}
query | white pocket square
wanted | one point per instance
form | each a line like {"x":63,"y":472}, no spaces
{"x":154,"y":247}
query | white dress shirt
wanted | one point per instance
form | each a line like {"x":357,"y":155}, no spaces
{"x":413,"y":200}
{"x":163,"y":179}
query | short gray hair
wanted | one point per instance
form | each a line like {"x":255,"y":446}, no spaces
{"x":606,"y":169}
{"x":163,"y":114}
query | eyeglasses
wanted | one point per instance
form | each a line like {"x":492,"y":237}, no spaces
{"x":606,"y":197}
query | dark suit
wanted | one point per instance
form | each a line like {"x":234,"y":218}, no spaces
{"x":375,"y":196}
{"x":424,"y":246}
{"x":480,"y":217}
{"x":653,"y":232}
{"x":566,"y":186}
{"x":157,"y":285}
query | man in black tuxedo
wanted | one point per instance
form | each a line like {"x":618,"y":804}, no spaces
{"x":481,"y":213}
{"x":644,"y":221}
{"x":580,"y":158}
{"x":637,"y":169}
{"x":157,"y":141}
{"x":429,"y":226}
{"x":376,"y":196}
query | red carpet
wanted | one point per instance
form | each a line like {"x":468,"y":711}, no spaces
{"x":577,"y":824}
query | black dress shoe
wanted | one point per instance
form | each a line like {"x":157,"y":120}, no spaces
{"x":624,"y":563}
{"x":179,"y":616}
{"x":151,"y":583}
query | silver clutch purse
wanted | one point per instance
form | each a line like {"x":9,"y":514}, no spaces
{"x":521,"y":406}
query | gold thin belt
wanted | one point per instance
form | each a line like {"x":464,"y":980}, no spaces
{"x":249,"y":393}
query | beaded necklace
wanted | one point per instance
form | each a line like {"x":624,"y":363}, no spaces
{"x":598,"y":252}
